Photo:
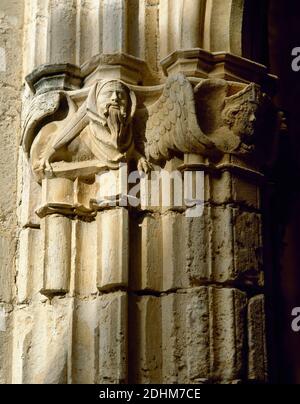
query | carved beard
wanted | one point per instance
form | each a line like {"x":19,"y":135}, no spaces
{"x":116,"y":122}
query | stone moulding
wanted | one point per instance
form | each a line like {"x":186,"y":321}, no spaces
{"x":49,"y":77}
{"x":198,"y":62}
{"x":68,"y":77}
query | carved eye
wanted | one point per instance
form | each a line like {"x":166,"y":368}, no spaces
{"x":107,"y":94}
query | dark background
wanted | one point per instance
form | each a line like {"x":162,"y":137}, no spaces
{"x":279,"y":22}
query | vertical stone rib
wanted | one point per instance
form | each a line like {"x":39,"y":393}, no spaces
{"x":29,"y":279}
{"x":89,"y":29}
{"x":192,"y":20}
{"x":85,"y":344}
{"x":227,"y":334}
{"x":62,"y":31}
{"x":197,"y":338}
{"x":36,"y":34}
{"x":136,"y":27}
{"x":57,"y":249}
{"x":181,"y":25}
{"x":145,"y":338}
{"x":169,"y":339}
{"x":164,"y":28}
{"x":149,"y":44}
{"x":174,"y":251}
{"x":257,"y":362}
{"x":114,"y":26}
{"x":113,"y":340}
{"x":6,"y":343}
{"x":112,"y":246}
{"x":85,"y":251}
{"x":223,"y":26}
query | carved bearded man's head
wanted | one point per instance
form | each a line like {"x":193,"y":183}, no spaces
{"x":114,"y":106}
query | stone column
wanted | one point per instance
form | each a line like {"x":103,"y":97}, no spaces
{"x":143,"y":292}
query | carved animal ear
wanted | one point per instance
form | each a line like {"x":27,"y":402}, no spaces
{"x":210,"y":97}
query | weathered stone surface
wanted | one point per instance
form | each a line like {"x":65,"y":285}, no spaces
{"x":257,"y":362}
{"x":84,"y":258}
{"x":99,"y":340}
{"x":57,"y":191}
{"x":112,"y":249}
{"x":199,"y":336}
{"x":247,"y":235}
{"x":42,"y":334}
{"x":85,"y":341}
{"x":174,"y":252}
{"x":7,"y":262}
{"x":11,"y":20}
{"x":6,"y":329}
{"x":113,"y":339}
{"x":220,"y":246}
{"x":146,"y":253}
{"x":203,"y":337}
{"x":30,"y":196}
{"x":114,"y":14}
{"x":57,"y":234}
{"x":227,"y":187}
{"x":29,"y":280}
{"x":145,"y":360}
{"x":178,"y":22}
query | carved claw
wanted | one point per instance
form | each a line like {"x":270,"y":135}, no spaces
{"x":143,"y":165}
{"x":43,"y":163}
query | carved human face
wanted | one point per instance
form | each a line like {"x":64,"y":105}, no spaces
{"x":113,"y":105}
{"x":113,"y":98}
{"x":242,"y":119}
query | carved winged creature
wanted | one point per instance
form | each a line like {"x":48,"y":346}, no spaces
{"x":117,"y":130}
{"x":213,"y":118}
{"x":231,"y":114}
{"x":107,"y":113}
{"x":170,"y":125}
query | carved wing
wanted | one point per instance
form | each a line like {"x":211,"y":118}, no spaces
{"x":170,"y":124}
{"x":41,"y":108}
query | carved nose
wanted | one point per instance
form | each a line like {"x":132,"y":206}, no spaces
{"x":252,"y":118}
{"x":114,"y":96}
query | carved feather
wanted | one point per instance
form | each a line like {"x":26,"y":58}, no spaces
{"x":170,"y":124}
{"x":40,"y":109}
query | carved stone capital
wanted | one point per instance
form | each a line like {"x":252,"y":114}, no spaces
{"x":73,"y":134}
